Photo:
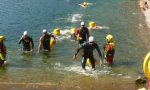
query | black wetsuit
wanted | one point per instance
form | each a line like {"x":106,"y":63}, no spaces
{"x":27,"y":41}
{"x":46,"y":41}
{"x":84,"y":34}
{"x":88,"y":53}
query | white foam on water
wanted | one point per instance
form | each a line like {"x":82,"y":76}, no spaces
{"x":127,"y":77}
{"x":134,"y":13}
{"x":58,"y":66}
{"x":75,"y":18}
{"x":120,"y":74}
{"x":78,"y":69}
{"x":124,"y":76}
{"x":64,"y":35}
{"x":105,"y":27}
{"x":99,"y":27}
{"x":62,"y":38}
{"x":64,"y":32}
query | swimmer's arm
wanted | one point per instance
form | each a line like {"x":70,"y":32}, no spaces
{"x":20,"y":40}
{"x":99,"y":52}
{"x":40,"y":44}
{"x":78,"y":49}
{"x":53,"y":37}
{"x":32,"y":43}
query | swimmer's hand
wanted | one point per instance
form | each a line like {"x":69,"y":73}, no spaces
{"x":75,"y":57}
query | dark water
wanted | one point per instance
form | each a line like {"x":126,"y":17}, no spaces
{"x":122,"y":16}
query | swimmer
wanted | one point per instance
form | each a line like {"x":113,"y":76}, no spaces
{"x":27,"y":42}
{"x":94,"y":26}
{"x":44,"y":41}
{"x":84,"y":4}
{"x":88,"y":48}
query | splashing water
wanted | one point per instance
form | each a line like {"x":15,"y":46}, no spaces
{"x":75,"y":18}
{"x":76,"y":68}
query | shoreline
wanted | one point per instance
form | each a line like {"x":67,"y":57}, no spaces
{"x":145,"y":8}
{"x":145,"y":28}
{"x":96,"y":85}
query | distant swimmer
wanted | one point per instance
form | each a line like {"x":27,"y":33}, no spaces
{"x":94,"y":26}
{"x":44,"y":41}
{"x":73,"y":33}
{"x":84,"y":4}
{"x":88,"y":48}
{"x":109,"y":49}
{"x":56,"y":32}
{"x":3,"y":51}
{"x":27,"y":42}
{"x":82,"y":34}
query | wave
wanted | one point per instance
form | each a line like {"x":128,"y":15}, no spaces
{"x":78,"y":69}
{"x":75,"y":18}
{"x":100,"y":27}
{"x":65,"y":32}
{"x":105,"y":27}
{"x":64,"y":35}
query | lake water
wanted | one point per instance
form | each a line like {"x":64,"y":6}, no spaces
{"x":125,"y":22}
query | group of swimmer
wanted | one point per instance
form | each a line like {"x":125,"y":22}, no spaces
{"x":81,"y":34}
{"x":88,"y":44}
{"x":44,"y":41}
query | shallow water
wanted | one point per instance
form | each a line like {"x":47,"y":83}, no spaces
{"x":123,"y":17}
